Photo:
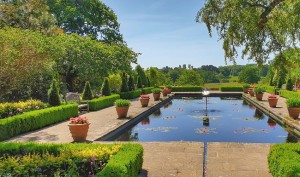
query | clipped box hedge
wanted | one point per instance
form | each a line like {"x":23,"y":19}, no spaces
{"x":269,"y":89}
{"x":187,"y":89}
{"x":289,"y":94}
{"x":148,"y":90}
{"x":283,"y":160}
{"x":33,"y":159}
{"x":103,"y":102}
{"x":231,"y":89}
{"x":33,"y":120}
{"x":131,"y":94}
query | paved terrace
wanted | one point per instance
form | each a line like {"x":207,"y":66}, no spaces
{"x":163,"y":159}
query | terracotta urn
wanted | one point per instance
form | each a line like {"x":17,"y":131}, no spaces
{"x":165,"y":91}
{"x":144,"y":101}
{"x":156,"y":96}
{"x":259,"y":96}
{"x":122,"y":111}
{"x":251,"y":92}
{"x":79,"y":131}
{"x":272,"y":102}
{"x":294,"y":112}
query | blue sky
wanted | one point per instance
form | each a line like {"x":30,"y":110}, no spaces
{"x":166,"y":33}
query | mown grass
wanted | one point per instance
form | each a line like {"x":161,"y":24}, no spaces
{"x":218,"y":85}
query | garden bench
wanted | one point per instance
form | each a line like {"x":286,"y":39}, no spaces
{"x":75,"y":98}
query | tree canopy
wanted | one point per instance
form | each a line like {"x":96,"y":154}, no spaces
{"x":258,"y":28}
{"x":87,"y":17}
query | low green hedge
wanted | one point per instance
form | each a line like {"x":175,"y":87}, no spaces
{"x":33,"y":120}
{"x":270,"y":89}
{"x":103,"y":102}
{"x":283,"y":160}
{"x":289,"y":94}
{"x":231,"y":89}
{"x":186,"y":89}
{"x":33,"y":159}
{"x":148,"y":90}
{"x":131,"y":94}
{"x":127,"y":163}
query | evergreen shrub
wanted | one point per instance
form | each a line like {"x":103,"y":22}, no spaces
{"x":53,"y":94}
{"x":103,"y":102}
{"x":87,"y":92}
{"x":33,"y":120}
{"x":105,"y":89}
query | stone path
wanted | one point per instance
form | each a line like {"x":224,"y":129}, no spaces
{"x":237,"y":160}
{"x":180,"y":159}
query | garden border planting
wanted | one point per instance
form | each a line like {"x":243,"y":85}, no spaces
{"x":283,"y":159}
{"x":123,"y":159}
{"x":33,"y":120}
{"x":289,"y":94}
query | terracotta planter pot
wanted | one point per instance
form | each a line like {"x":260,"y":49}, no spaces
{"x":122,"y":111}
{"x":79,"y":131}
{"x":165,"y":92}
{"x":245,"y":90}
{"x":273,"y":102}
{"x":169,"y":90}
{"x":156,"y":96}
{"x":259,"y":96}
{"x":294,"y":112}
{"x":144,"y":101}
{"x":251,"y":92}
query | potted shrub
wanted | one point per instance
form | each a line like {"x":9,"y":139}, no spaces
{"x":169,"y":87}
{"x":144,"y":99}
{"x":293,"y":105}
{"x":246,"y":87}
{"x":156,"y":93}
{"x":272,"y":99}
{"x":251,"y":91}
{"x":79,"y":127}
{"x":259,"y":92}
{"x":165,"y":91}
{"x":122,"y":107}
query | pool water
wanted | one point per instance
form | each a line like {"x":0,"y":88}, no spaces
{"x":220,"y":120}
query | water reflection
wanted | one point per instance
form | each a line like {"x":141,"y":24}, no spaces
{"x":291,"y":138}
{"x":128,"y":136}
{"x":259,"y":114}
{"x":157,"y":113}
{"x":145,"y":121}
{"x":271,"y":123}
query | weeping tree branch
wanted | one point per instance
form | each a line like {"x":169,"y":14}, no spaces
{"x":268,"y":10}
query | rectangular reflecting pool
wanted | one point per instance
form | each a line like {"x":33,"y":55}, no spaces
{"x":209,"y":119}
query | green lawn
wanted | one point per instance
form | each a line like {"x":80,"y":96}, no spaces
{"x":217,"y":85}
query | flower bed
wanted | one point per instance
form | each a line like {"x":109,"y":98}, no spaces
{"x":33,"y":120}
{"x":283,"y":160}
{"x":32,"y":159}
{"x":11,"y":109}
{"x":103,"y":102}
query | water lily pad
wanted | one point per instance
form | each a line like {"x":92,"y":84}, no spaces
{"x":250,"y":130}
{"x":206,"y":130}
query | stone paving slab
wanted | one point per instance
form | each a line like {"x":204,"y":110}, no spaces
{"x":237,"y":160}
{"x":102,"y":122}
{"x":167,"y":159}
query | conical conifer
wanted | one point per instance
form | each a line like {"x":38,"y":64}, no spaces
{"x":87,"y":91}
{"x":53,"y":94}
{"x":105,"y":89}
